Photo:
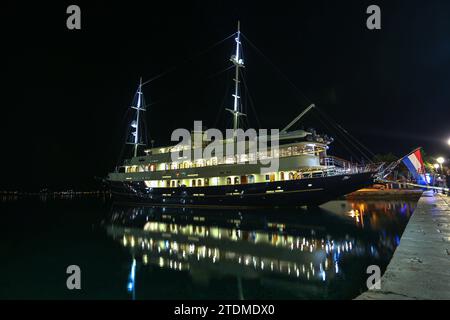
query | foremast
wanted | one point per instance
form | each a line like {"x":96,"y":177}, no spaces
{"x":137,"y":122}
{"x":238,"y":63}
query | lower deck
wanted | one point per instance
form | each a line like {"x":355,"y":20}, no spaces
{"x":194,"y":180}
{"x":306,"y":191}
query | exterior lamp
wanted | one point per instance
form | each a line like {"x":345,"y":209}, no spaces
{"x":441,"y":160}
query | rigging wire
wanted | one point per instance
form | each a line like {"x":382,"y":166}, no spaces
{"x":298,"y":91}
{"x":350,"y":138}
{"x":340,"y":135}
{"x":251,"y":102}
{"x":173,"y":93}
{"x":145,"y":132}
{"x":347,"y":135}
{"x":328,"y":127}
{"x":221,"y":106}
{"x":173,"y":68}
{"x":127,"y":133}
{"x":356,"y":140}
{"x":337,"y":127}
{"x":219,"y":73}
{"x":127,"y":117}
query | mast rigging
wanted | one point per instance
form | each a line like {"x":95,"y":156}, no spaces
{"x":238,"y":63}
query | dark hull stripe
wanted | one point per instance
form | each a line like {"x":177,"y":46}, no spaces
{"x":310,"y":191}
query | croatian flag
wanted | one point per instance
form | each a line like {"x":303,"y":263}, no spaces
{"x":414,"y":163}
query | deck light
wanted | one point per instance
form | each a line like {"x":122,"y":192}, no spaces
{"x":441,"y":160}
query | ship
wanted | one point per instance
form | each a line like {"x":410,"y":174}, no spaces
{"x":305,"y":175}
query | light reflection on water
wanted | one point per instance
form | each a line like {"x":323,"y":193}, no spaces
{"x":321,"y":253}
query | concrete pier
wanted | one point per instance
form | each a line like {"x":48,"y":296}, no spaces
{"x":420,"y":267}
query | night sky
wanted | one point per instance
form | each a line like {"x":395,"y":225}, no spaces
{"x":65,"y":93}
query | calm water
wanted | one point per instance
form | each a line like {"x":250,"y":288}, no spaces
{"x":135,"y":252}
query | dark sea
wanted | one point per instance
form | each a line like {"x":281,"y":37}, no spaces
{"x":135,"y":251}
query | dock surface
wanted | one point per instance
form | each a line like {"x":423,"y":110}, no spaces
{"x":388,"y":194}
{"x":420,"y":266}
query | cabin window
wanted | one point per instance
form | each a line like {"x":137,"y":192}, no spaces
{"x":291,"y":176}
{"x":179,"y":183}
{"x":229,"y":160}
{"x":167,"y":183}
{"x":281,"y":175}
{"x":251,"y":179}
{"x":199,"y":182}
{"x":228,"y":180}
{"x":236,"y":180}
{"x":173,"y":183}
{"x":267,"y":177}
{"x":206,"y":182}
{"x":200,"y":163}
{"x":193,"y":183}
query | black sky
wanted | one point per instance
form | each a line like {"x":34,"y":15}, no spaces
{"x":65,"y":93}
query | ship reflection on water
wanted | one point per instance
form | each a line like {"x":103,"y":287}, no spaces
{"x":321,"y":253}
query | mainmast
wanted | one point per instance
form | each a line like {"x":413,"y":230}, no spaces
{"x":136,"y":123}
{"x":239,"y":63}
